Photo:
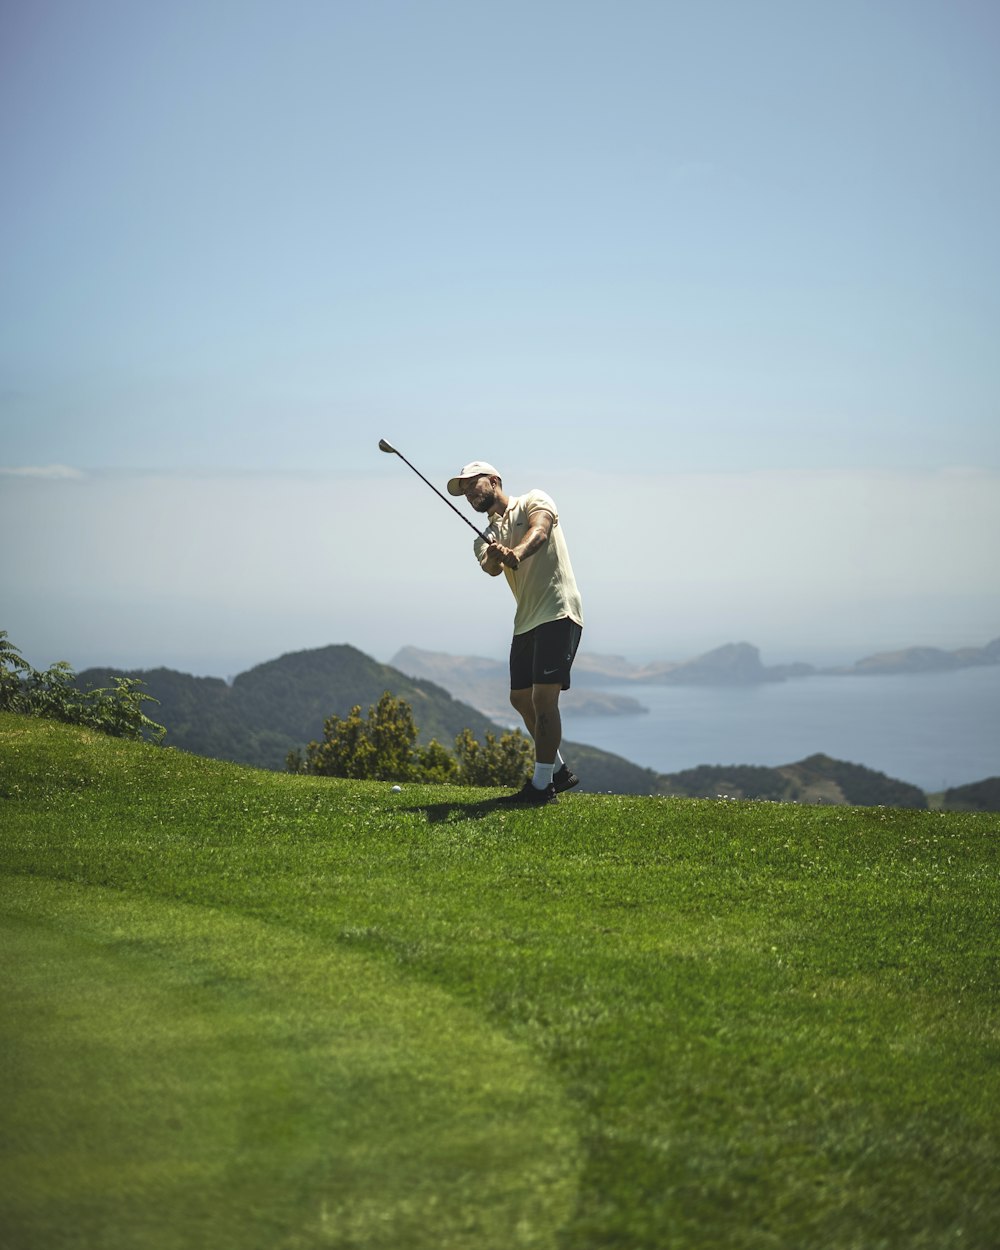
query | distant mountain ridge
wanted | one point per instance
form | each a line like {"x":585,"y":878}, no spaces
{"x":816,"y":779}
{"x":486,"y":685}
{"x":483,"y":682}
{"x":923,"y":660}
{"x":739,"y":664}
{"x":733,"y":664}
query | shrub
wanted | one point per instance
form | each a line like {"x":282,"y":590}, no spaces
{"x":382,"y":747}
{"x":496,"y":762}
{"x":115,"y":710}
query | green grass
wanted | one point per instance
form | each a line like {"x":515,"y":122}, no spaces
{"x":245,"y":1009}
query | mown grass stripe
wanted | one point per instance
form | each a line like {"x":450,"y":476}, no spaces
{"x":175,"y":1076}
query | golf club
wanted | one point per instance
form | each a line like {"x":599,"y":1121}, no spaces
{"x":390,"y":450}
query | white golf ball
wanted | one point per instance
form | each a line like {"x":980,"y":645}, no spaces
{"x":397,"y":789}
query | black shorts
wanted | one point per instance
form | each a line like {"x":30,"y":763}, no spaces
{"x":544,"y":655}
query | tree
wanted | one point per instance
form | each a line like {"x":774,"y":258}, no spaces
{"x":496,"y":762}
{"x":437,"y":764}
{"x":381,"y":747}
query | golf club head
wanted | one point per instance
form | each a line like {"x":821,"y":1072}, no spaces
{"x":384,"y":446}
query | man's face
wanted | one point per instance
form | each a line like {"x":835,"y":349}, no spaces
{"x":480,"y":492}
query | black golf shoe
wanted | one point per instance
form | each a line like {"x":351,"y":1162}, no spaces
{"x":564,"y":780}
{"x":530,"y":796}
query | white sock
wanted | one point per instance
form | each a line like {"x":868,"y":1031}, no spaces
{"x":543,"y":775}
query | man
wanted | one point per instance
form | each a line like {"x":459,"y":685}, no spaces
{"x":527,"y":546}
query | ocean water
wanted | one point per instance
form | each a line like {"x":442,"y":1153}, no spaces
{"x":931,"y":729}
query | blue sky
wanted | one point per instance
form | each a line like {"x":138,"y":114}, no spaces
{"x":723,"y":277}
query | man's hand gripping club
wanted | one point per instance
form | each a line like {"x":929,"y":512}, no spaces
{"x":499,"y":554}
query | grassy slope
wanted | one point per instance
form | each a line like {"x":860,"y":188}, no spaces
{"x":744,"y":1024}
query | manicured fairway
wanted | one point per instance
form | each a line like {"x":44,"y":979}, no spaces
{"x":244,"y":1009}
{"x":176,"y":1076}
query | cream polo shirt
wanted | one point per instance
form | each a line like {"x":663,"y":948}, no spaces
{"x":543,"y":584}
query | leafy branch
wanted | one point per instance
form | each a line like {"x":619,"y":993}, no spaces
{"x":115,"y":710}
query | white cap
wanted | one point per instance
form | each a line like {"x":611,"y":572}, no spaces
{"x":476,"y":469}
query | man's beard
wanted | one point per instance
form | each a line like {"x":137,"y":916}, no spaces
{"x":486,"y":502}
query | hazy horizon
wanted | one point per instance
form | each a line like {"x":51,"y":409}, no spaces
{"x":144,"y":656}
{"x":823,"y":656}
{"x":216,"y":572}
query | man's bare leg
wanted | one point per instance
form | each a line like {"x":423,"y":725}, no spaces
{"x":524,"y":705}
{"x":547,"y":729}
{"x":538,"y":706}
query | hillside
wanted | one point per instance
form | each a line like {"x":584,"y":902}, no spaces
{"x":281,"y":704}
{"x":978,"y":796}
{"x":817,"y":779}
{"x":735,"y":664}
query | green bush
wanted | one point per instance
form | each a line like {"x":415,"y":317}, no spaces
{"x":383,"y":747}
{"x":379,"y":747}
{"x":115,"y":710}
{"x":496,"y":762}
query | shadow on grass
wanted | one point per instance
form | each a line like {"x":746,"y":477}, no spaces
{"x":451,"y":813}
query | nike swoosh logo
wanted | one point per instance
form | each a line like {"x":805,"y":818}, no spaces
{"x":547,"y":671}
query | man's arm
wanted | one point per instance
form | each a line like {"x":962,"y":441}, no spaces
{"x":537,"y":536}
{"x":490,"y":561}
{"x":486,"y":555}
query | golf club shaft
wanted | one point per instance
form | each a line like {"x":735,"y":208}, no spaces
{"x":384,"y":446}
